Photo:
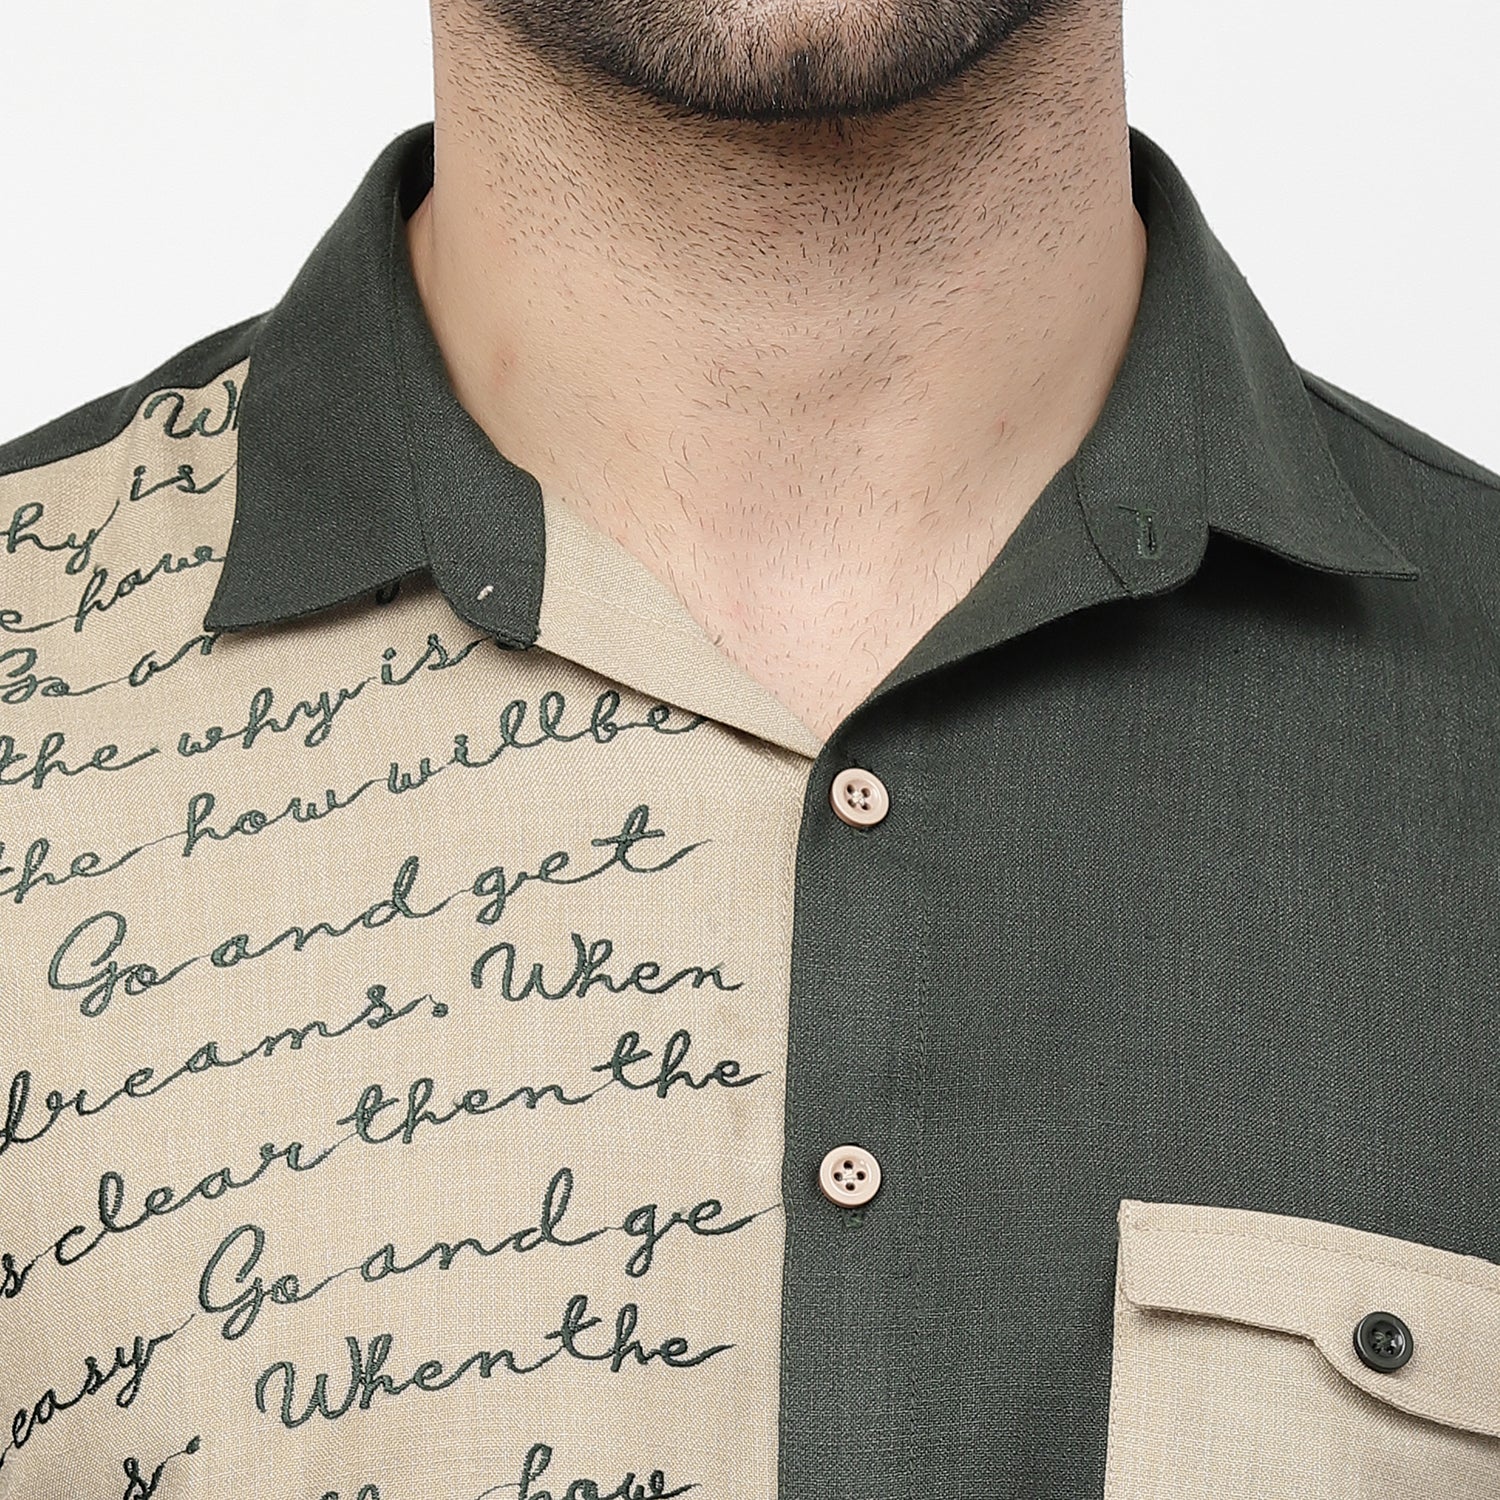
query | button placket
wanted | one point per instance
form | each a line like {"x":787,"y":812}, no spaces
{"x":849,"y":1175}
{"x":856,"y":1071}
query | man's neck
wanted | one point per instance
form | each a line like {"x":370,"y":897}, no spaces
{"x":795,"y":365}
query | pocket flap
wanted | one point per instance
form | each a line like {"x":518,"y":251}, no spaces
{"x":1317,"y":1280}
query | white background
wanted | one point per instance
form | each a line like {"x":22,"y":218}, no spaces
{"x":166,"y":170}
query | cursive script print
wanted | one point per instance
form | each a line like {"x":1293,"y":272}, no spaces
{"x":367,"y":1377}
{"x":513,"y":733}
{"x":406,"y":1010}
{"x":24,"y":677}
{"x":590,"y":968}
{"x":141,"y":1485}
{"x":206,"y":827}
{"x":104,"y":590}
{"x":130,"y":1361}
{"x":113,"y":1217}
{"x":104,"y":933}
{"x":233,"y":1284}
{"x":633,"y":1485}
{"x":78,"y":551}
{"x":378,"y":1119}
{"x":20,"y":1129}
{"x":21,"y":767}
{"x":168,"y":408}
{"x":538,"y":1459}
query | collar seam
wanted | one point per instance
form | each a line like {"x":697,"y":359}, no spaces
{"x":1348,"y":507}
{"x":397,"y":226}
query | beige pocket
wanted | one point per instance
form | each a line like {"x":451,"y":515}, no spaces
{"x":1235,"y":1372}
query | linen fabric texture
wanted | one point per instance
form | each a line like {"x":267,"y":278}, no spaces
{"x":434,"y":972}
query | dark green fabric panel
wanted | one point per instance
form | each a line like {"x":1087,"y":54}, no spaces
{"x":481,"y":516}
{"x":358,"y":464}
{"x":1190,"y":898}
{"x":324,"y":509}
{"x":1188,"y":892}
{"x":1393,"y":432}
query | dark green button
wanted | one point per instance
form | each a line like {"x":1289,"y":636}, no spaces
{"x":1383,"y":1341}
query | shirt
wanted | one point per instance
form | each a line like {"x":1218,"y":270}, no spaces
{"x":449,"y":1004}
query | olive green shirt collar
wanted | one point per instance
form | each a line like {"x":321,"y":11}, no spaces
{"x":358,"y":466}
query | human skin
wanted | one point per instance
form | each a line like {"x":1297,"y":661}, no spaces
{"x":767,"y":59}
{"x":800,"y":301}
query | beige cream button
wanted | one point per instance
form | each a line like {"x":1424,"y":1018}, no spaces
{"x":860,"y":797}
{"x":849,"y":1176}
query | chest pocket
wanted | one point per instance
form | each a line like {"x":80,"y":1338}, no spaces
{"x":1236,"y":1372}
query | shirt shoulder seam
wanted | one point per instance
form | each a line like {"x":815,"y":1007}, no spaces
{"x":98,"y":422}
{"x":1347,"y":405}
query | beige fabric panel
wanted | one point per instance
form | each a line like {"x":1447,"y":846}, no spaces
{"x":633,"y":851}
{"x":604,"y":607}
{"x":1235,"y":1373}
